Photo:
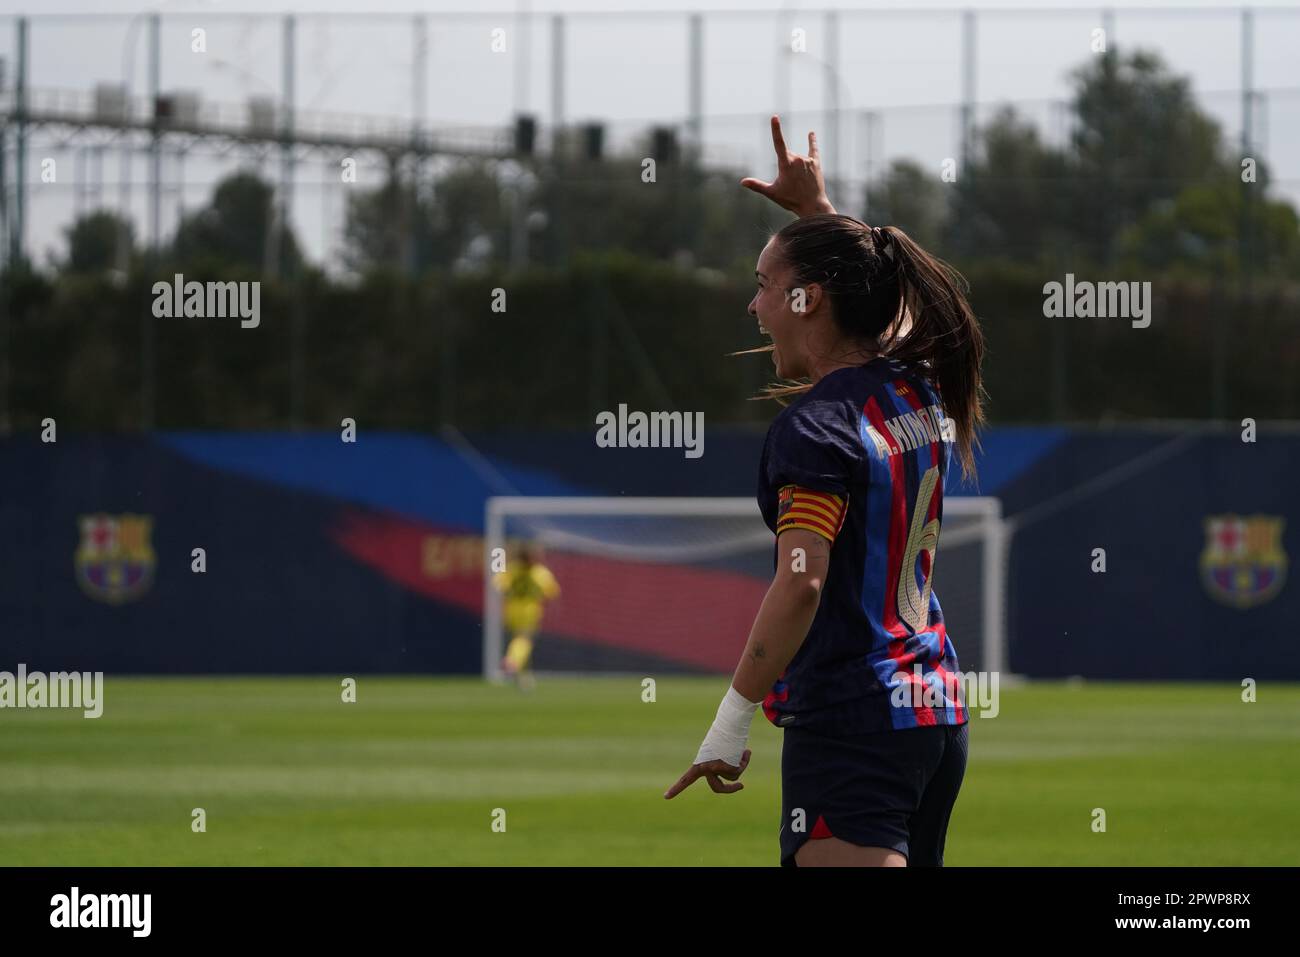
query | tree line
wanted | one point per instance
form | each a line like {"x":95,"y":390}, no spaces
{"x":637,"y":292}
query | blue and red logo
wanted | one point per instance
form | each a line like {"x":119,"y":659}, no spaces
{"x":115,"y":561}
{"x":1243,"y":563}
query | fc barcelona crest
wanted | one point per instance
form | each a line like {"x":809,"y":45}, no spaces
{"x":115,"y":560}
{"x":1243,"y":563}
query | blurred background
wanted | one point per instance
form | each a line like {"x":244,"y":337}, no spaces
{"x":380,"y":174}
{"x":458,"y":254}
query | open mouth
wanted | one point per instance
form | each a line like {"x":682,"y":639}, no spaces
{"x":763,"y":330}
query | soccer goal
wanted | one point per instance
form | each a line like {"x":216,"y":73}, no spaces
{"x":656,"y":585}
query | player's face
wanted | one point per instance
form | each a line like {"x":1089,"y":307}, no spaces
{"x":773,"y":307}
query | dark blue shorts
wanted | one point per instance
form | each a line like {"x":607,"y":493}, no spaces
{"x":892,"y":789}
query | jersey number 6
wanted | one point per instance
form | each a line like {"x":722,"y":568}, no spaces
{"x":923,"y":536}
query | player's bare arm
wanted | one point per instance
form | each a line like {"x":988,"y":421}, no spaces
{"x":786,"y":613}
{"x":799,"y":186}
{"x":780,"y":628}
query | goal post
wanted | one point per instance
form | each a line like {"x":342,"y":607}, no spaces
{"x":673,"y":583}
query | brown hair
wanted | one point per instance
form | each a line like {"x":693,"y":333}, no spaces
{"x":885,"y":289}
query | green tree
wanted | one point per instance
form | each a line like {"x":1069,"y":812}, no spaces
{"x":239,"y":226}
{"x":98,"y":241}
{"x":1012,"y":200}
{"x":1140,"y":139}
{"x":912,"y":199}
{"x":1199,"y":231}
{"x":397,"y":227}
{"x":565,"y":206}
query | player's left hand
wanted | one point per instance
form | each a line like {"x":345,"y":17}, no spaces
{"x":713,"y":772}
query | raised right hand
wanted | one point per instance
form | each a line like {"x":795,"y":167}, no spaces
{"x":798,"y":186}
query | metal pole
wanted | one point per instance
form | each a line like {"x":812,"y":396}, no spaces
{"x":78,"y":182}
{"x":523,"y":57}
{"x":831,"y":77}
{"x":557,"y":83}
{"x":287,"y":133}
{"x":18,"y":240}
{"x":148,"y":351}
{"x":1247,"y":79}
{"x":695,"y":89}
{"x":968,"y":54}
{"x":419,"y":99}
{"x":873,"y":138}
{"x":124,"y":161}
{"x":285,"y":205}
{"x":1245,"y":225}
{"x":155,"y":150}
{"x":419,"y":73}
{"x":781,"y":75}
{"x":178,"y":157}
{"x":560,"y":211}
{"x":329,"y":170}
{"x":96,"y":192}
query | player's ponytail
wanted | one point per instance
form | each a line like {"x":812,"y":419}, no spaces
{"x":889,"y":293}
{"x":940,"y":333}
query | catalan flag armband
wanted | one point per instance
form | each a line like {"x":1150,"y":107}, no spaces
{"x":820,"y":512}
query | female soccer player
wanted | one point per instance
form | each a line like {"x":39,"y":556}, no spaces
{"x":527,"y":586}
{"x":848,"y":652}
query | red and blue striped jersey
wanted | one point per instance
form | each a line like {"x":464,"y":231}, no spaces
{"x":868,"y":448}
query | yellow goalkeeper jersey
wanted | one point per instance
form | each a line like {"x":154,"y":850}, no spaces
{"x":526,"y":588}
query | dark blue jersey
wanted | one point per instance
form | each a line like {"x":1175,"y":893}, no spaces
{"x":874,"y":439}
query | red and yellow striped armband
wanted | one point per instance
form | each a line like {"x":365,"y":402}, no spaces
{"x":820,"y":512}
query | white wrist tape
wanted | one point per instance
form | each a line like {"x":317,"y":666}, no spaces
{"x":727,"y":738}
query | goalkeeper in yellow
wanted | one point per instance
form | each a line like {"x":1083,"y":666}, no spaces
{"x":526,"y":587}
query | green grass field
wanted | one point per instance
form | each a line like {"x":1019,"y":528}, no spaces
{"x":411,"y":773}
